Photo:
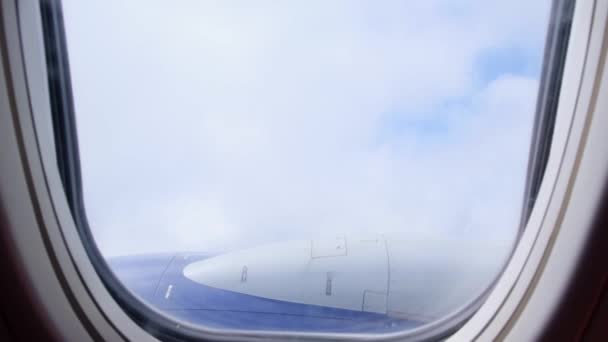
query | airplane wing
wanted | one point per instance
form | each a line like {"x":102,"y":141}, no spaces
{"x":337,"y":285}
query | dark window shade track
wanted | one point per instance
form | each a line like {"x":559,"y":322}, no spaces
{"x":556,"y":47}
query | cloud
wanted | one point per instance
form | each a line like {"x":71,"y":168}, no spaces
{"x":218,"y":125}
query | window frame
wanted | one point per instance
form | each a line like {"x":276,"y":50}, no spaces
{"x":54,"y":254}
{"x":559,"y":223}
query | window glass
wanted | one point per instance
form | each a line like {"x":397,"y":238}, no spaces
{"x":332,"y":166}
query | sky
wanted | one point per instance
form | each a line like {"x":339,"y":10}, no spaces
{"x":218,"y":125}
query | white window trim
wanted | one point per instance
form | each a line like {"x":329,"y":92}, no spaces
{"x":545,"y":258}
{"x":527,"y":291}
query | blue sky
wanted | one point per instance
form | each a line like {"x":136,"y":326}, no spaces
{"x":211,"y":126}
{"x":432,"y":126}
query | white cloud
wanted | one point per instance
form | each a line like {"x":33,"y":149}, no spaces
{"x":213,"y":125}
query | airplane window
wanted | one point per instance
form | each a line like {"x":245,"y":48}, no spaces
{"x":305,"y":166}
